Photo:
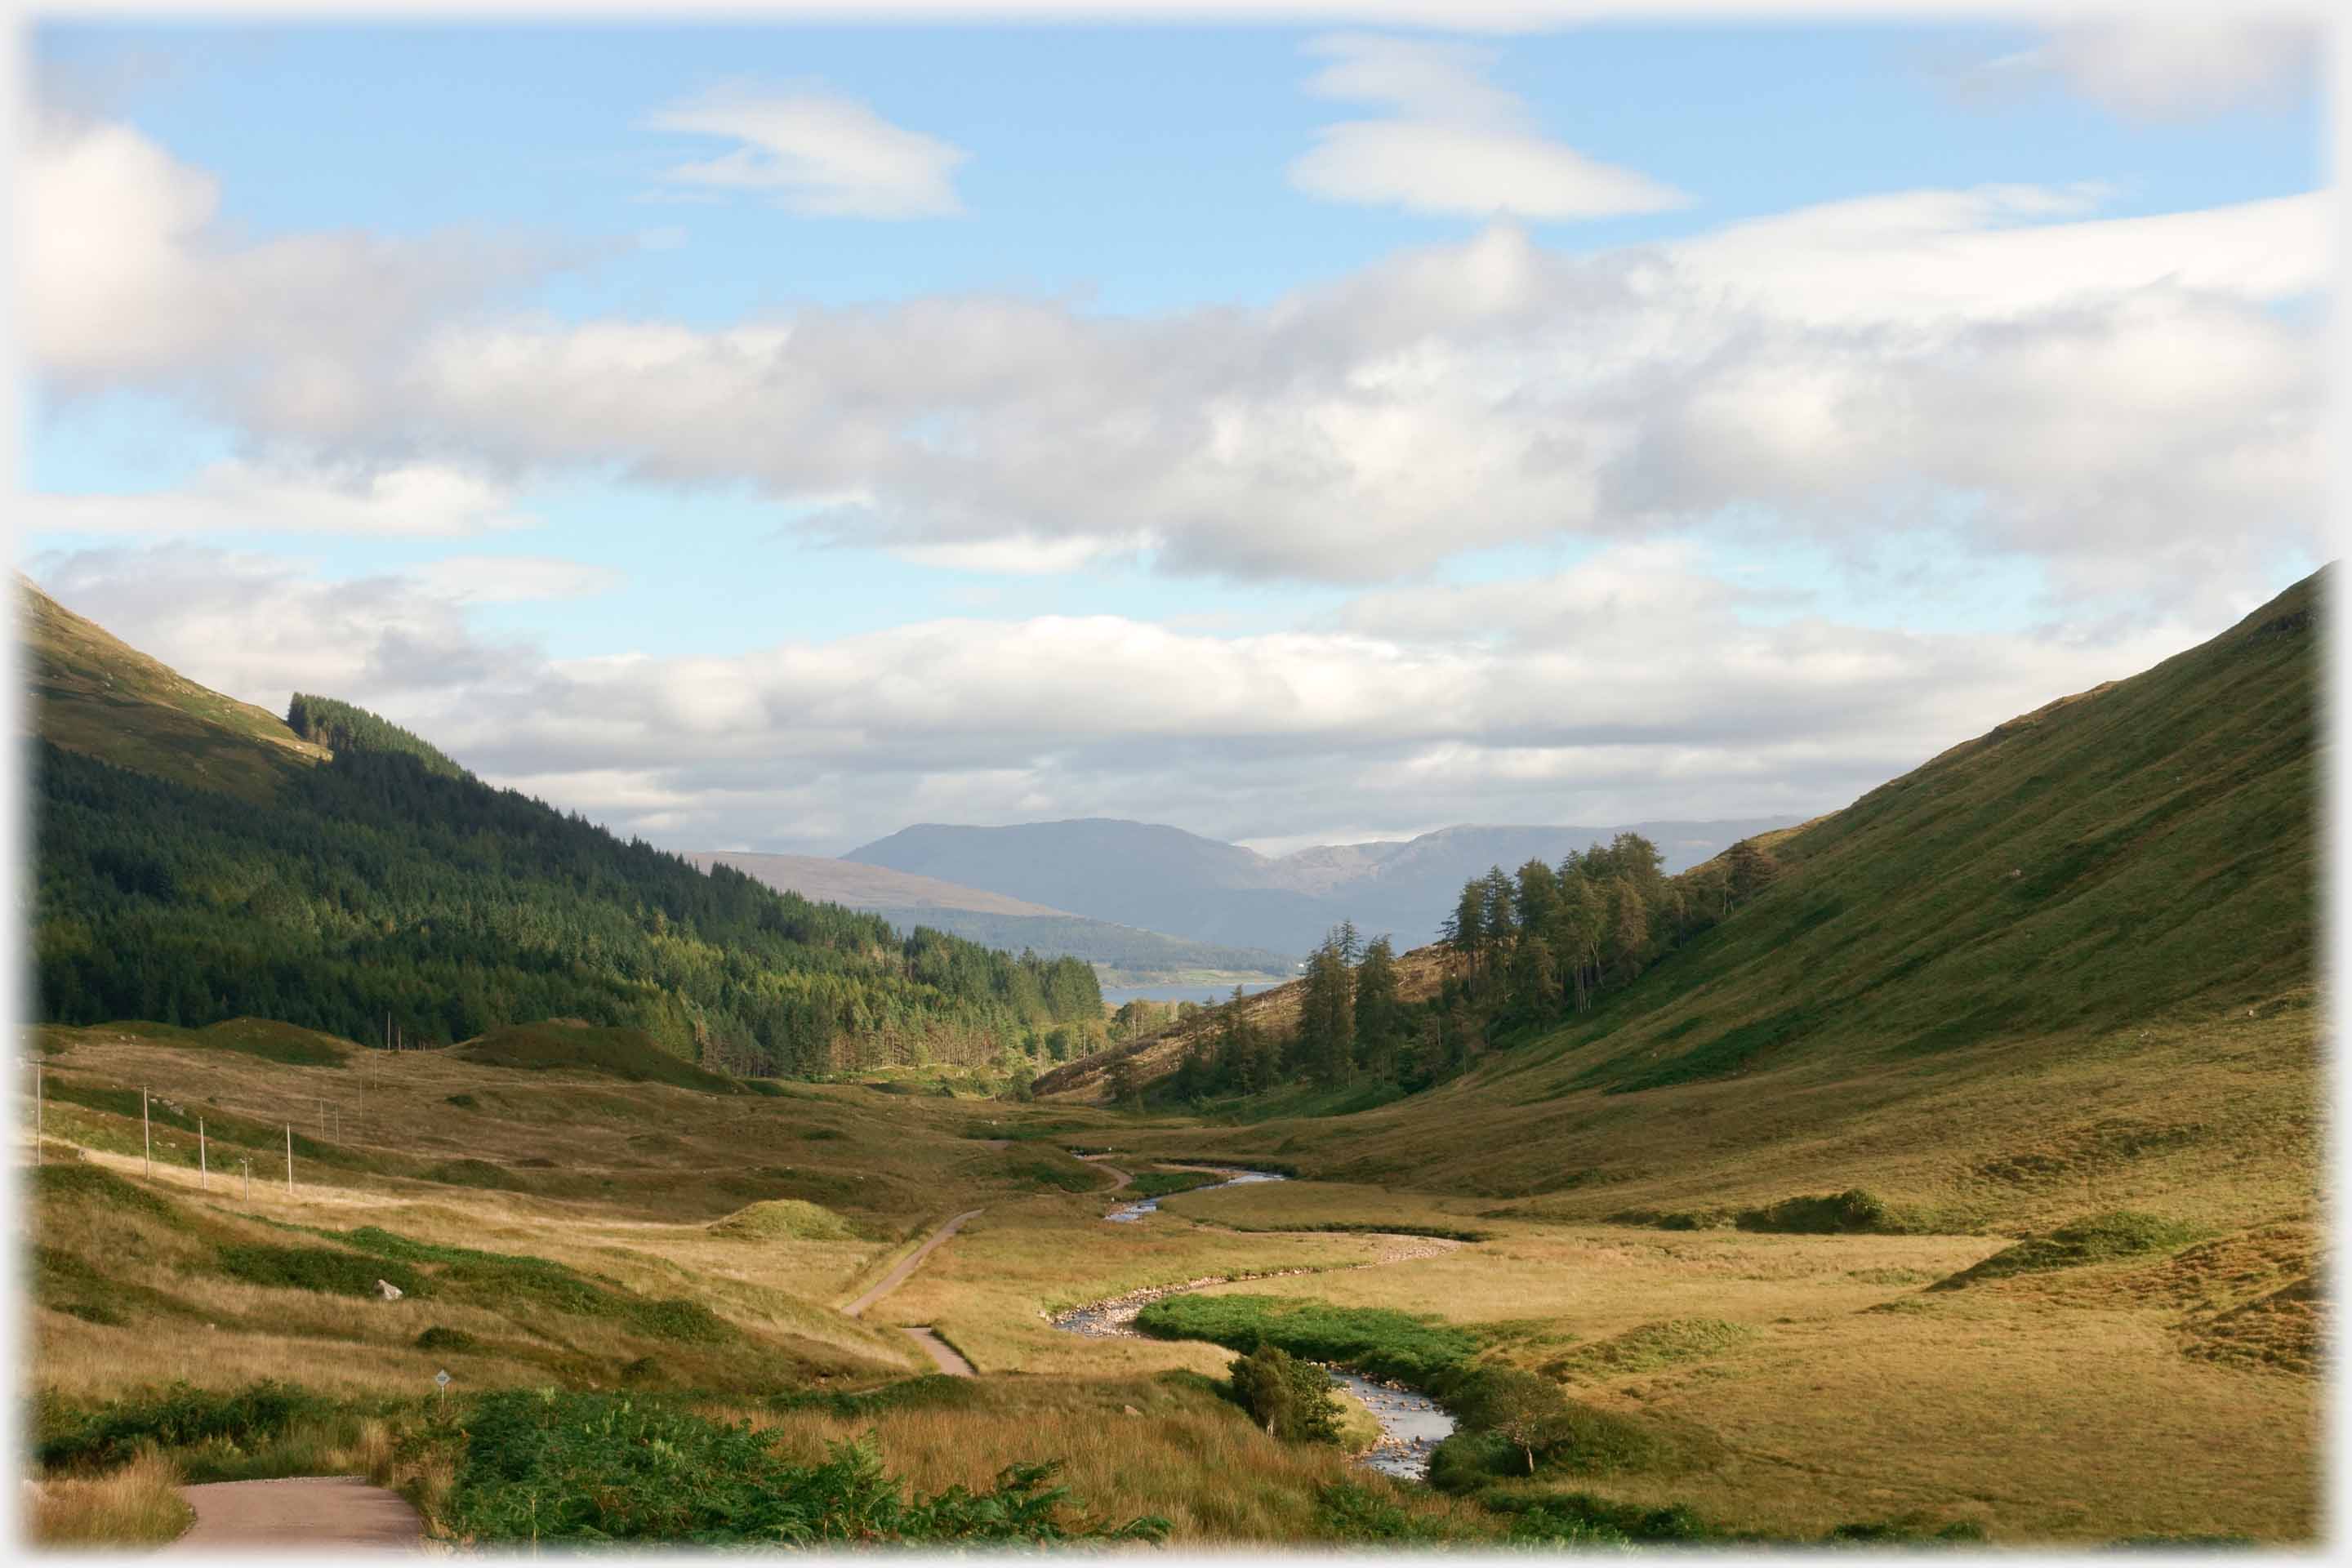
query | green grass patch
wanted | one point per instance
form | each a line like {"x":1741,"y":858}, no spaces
{"x":1649,"y":1347}
{"x":85,"y":1184}
{"x":1040,"y":1173}
{"x":455,"y":1342}
{"x":325,"y":1270}
{"x":2108,"y":1237}
{"x":1166,"y":1184}
{"x":1415,"y":1348}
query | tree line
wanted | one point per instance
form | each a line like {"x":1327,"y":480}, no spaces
{"x":388,"y":885}
{"x":1525,"y":951}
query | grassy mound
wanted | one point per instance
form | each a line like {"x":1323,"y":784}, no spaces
{"x":1414,"y":1348}
{"x":2106,"y":1237}
{"x":784,"y":1220}
{"x":627,"y":1054}
{"x":1650,"y":1347}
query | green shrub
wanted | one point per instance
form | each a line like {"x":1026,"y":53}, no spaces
{"x":454,"y":1340}
{"x":1292,"y":1399}
{"x":1570,"y":1517}
{"x":1347,"y":1510}
{"x":1855,"y":1212}
{"x":68,"y":1436}
{"x":1513,"y":1423}
{"x":1411,"y":1348}
{"x":321,"y":1269}
{"x":589,"y":1468}
{"x":464,"y":1103}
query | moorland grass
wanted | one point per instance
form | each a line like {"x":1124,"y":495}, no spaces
{"x":137,"y":1504}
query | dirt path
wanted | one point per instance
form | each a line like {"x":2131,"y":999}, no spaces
{"x":315,"y":1513}
{"x":1097,"y":1161}
{"x":947,"y":1357}
{"x":913,"y":1260}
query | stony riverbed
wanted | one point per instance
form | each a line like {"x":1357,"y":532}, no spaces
{"x":1411,"y":1424}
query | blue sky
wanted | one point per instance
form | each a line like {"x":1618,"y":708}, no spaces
{"x":1501,"y":351}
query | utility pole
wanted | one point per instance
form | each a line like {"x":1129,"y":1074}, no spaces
{"x":146,"y":1131}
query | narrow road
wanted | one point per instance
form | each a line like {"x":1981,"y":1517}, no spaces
{"x":317,"y":1513}
{"x":945,"y":1355}
{"x":913,"y":1260}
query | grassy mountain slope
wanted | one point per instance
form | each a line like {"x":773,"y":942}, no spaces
{"x":2078,"y":949}
{"x":197,"y":861}
{"x":96,"y":695}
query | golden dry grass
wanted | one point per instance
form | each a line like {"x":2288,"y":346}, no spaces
{"x":136,"y":1505}
{"x":1128,"y":1444}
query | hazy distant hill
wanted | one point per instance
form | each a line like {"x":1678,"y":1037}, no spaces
{"x":907,"y":900}
{"x":1164,"y":879}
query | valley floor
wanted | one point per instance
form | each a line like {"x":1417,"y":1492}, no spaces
{"x":566,"y":1229}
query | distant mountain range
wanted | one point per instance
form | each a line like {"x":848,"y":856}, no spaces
{"x":1162,"y":879}
{"x":1129,"y":955}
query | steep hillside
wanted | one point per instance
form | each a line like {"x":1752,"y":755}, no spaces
{"x":1164,"y":879}
{"x":96,"y":695}
{"x":2078,"y":946}
{"x":196,"y":861}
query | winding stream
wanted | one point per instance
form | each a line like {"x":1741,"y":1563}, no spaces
{"x":1129,"y":1212}
{"x":1411,"y":1424}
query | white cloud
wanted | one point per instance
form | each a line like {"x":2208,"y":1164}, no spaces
{"x":513,"y":579}
{"x":818,"y":154}
{"x":2126,"y":398}
{"x":1628,"y":687}
{"x":236,"y":496}
{"x":126,"y":268}
{"x":1458,"y":144}
{"x":2176,"y":66}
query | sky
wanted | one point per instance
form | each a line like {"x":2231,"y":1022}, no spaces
{"x":769,"y":435}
